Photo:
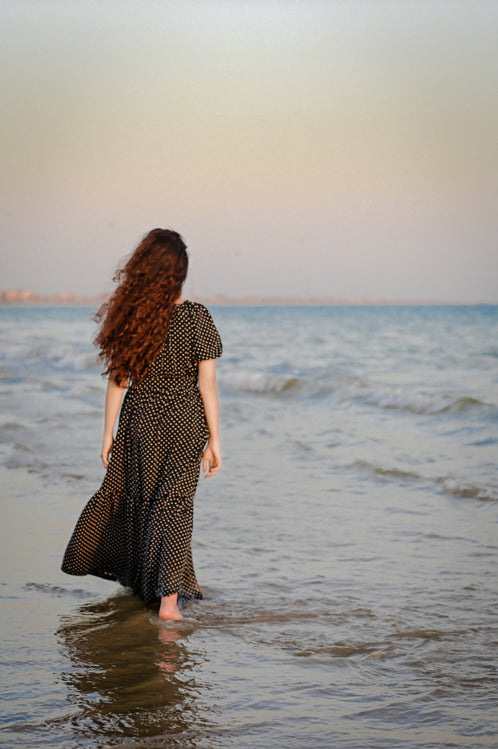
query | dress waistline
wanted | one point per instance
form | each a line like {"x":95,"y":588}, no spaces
{"x":167,"y":388}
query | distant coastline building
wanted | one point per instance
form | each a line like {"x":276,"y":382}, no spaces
{"x":23,"y":296}
{"x":16,"y":296}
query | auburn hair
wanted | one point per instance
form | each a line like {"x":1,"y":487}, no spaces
{"x":135,"y":320}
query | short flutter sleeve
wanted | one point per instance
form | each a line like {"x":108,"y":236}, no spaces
{"x":207,"y":342}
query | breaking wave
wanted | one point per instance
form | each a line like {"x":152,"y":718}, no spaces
{"x":467,"y":489}
{"x":261,"y":382}
{"x":349,"y":388}
{"x":50,"y":355}
{"x":415,"y":401}
{"x":269,"y":383}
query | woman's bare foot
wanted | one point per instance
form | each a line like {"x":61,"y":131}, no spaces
{"x":169,"y":608}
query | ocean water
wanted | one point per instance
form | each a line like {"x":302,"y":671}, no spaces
{"x":347,"y":551}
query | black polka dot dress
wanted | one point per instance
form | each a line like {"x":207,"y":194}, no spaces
{"x":137,"y":528}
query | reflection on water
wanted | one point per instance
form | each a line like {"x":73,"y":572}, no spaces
{"x":128,"y":674}
{"x":320,"y":665}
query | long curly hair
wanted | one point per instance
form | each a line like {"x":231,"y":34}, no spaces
{"x":135,"y":320}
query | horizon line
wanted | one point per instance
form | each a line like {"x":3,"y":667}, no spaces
{"x":13,"y":297}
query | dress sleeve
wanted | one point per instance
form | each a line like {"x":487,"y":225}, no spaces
{"x":207,"y":341}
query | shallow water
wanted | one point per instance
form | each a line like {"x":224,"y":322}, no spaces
{"x":346,"y":552}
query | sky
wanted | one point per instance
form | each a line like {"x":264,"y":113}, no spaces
{"x":339,"y":148}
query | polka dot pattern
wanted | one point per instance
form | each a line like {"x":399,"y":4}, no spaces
{"x":137,"y":528}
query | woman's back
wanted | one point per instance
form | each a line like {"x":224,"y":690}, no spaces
{"x":191,"y":337}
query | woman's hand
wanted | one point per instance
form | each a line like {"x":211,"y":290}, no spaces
{"x":212,"y":457}
{"x":106,"y":449}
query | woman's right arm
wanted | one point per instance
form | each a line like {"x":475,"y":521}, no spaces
{"x":113,"y":398}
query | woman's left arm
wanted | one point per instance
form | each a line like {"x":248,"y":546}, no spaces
{"x":113,"y":397}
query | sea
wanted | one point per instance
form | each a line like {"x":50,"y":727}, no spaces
{"x":347,"y":550}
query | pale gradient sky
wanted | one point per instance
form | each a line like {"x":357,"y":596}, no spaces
{"x":314,"y":148}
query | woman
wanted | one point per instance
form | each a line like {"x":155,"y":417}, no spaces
{"x":161,"y":351}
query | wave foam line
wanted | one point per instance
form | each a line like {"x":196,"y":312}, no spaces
{"x":448,"y":484}
{"x":51,"y":356}
{"x":394,"y":473}
{"x":56,"y":590}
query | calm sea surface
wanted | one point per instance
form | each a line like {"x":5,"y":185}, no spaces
{"x":347,"y":551}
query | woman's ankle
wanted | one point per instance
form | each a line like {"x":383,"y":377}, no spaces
{"x":169,"y":607}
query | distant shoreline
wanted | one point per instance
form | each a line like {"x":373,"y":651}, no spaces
{"x":23,"y":298}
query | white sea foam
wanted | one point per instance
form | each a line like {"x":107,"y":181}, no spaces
{"x":14,"y":352}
